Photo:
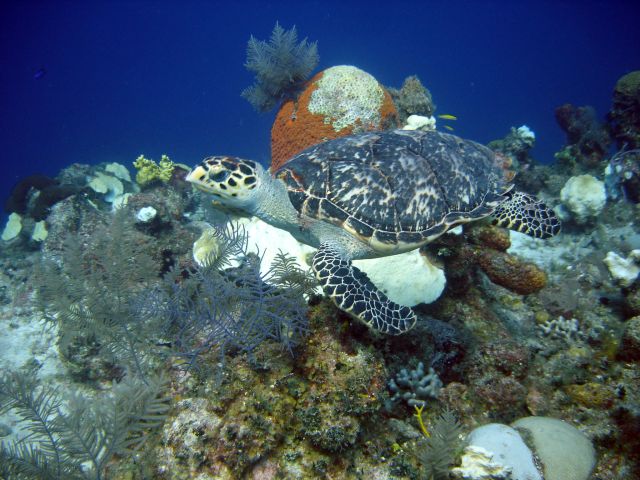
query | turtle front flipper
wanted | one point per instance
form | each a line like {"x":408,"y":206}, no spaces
{"x":353,"y":292}
{"x":526,"y":214}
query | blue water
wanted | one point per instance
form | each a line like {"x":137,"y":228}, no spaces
{"x":106,"y":81}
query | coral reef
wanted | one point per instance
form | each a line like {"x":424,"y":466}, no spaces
{"x":336,"y":102}
{"x":624,"y":116}
{"x":515,"y":146}
{"x":486,"y":249}
{"x":412,"y":98}
{"x":34,"y":195}
{"x":415,"y":386}
{"x":622,"y":175}
{"x":281,"y":67}
{"x":265,"y":379}
{"x":304,"y":415}
{"x":587,"y":140}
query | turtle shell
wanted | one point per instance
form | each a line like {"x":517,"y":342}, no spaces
{"x":396,"y":189}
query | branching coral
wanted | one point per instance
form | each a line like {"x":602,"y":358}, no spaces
{"x":281,"y":66}
{"x":150,"y":171}
{"x":415,"y":386}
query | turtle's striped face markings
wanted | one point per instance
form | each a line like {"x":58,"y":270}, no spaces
{"x":232,"y":180}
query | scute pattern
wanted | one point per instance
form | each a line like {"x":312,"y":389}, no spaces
{"x":353,"y":292}
{"x":527,"y":214}
{"x":386,"y":185}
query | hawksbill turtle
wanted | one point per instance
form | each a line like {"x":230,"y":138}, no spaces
{"x":375,"y":194}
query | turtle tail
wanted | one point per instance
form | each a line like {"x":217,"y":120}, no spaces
{"x":526,"y":214}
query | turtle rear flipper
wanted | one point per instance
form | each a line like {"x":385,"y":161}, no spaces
{"x":526,"y":214}
{"x":353,"y":292}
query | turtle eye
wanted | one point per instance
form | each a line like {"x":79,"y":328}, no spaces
{"x":221,"y":176}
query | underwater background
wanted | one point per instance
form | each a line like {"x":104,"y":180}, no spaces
{"x":164,"y":317}
{"x":106,"y":81}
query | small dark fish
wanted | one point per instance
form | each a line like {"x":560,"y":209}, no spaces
{"x":41,"y":72}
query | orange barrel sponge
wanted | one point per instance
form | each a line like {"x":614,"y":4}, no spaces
{"x":336,"y":102}
{"x":510,"y":272}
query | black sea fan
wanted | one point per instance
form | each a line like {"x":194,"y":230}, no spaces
{"x":76,"y":438}
{"x":281,"y":66}
{"x":238,"y":308}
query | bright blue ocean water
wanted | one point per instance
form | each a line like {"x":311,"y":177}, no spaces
{"x":106,"y":81}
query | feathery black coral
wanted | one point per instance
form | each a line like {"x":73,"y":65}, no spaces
{"x":92,"y":295}
{"x":76,"y":439}
{"x":281,"y":66}
{"x":235,"y":309}
{"x":443,"y":447}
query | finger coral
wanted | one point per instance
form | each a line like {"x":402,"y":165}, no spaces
{"x":338,"y":101}
{"x":150,"y":171}
{"x":485,"y":247}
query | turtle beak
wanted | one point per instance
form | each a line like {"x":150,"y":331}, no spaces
{"x":200,"y":178}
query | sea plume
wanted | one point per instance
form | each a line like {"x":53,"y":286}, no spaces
{"x":281,"y":66}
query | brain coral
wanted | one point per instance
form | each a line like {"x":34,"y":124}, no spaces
{"x":336,"y":102}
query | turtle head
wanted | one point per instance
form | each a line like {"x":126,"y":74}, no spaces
{"x":233,"y":181}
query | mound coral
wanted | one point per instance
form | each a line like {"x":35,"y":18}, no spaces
{"x":336,"y":102}
{"x":584,"y":196}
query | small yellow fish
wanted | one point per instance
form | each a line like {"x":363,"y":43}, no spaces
{"x":446,"y":116}
{"x":448,"y":127}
